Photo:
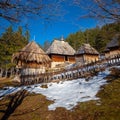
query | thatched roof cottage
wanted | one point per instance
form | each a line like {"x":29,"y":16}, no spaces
{"x":60,"y":52}
{"x":86,"y":54}
{"x":113,"y":47}
{"x":31,"y":59}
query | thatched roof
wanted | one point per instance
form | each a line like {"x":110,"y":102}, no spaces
{"x":60,"y":47}
{"x":87,"y":49}
{"x":31,"y":53}
{"x":115,"y":42}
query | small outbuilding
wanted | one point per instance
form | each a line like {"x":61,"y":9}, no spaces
{"x":32,"y":60}
{"x":61,"y":52}
{"x":113,"y":47}
{"x":86,"y":54}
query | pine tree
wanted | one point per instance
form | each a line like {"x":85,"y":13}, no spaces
{"x":96,"y":37}
{"x":11,"y":42}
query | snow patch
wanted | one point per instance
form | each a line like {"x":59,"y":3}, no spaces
{"x":66,"y":94}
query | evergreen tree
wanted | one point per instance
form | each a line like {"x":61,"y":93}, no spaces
{"x":76,"y":39}
{"x":27,"y":35}
{"x":96,"y":37}
{"x":11,"y":42}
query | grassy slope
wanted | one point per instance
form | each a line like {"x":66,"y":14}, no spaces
{"x":8,"y":82}
{"x":34,"y":107}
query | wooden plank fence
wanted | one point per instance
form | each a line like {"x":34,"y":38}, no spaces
{"x":73,"y":73}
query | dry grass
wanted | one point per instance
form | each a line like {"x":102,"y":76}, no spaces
{"x":35,"y":107}
{"x":8,"y":82}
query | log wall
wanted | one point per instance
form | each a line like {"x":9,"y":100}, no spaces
{"x":71,"y":59}
{"x":57,"y":58}
{"x":87,"y":58}
{"x":112,"y":53}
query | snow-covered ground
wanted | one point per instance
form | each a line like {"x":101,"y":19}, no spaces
{"x":66,"y":93}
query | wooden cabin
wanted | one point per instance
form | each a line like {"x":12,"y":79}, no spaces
{"x":32,"y":60}
{"x":86,"y":54}
{"x":107,"y":53}
{"x":113,"y":47}
{"x":60,"y":52}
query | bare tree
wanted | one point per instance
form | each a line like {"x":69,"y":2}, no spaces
{"x":108,"y":10}
{"x":17,"y":10}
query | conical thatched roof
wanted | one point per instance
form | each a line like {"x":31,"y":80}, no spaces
{"x":60,"y":47}
{"x":31,"y":53}
{"x":115,"y":42}
{"x":87,"y":49}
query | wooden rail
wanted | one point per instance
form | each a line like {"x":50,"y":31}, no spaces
{"x":73,"y":73}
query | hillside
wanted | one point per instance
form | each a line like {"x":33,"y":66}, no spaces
{"x":104,"y":104}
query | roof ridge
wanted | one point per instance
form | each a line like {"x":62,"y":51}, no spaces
{"x":60,"y":47}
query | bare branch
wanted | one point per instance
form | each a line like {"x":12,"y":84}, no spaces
{"x":108,"y":10}
{"x":16,"y":10}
